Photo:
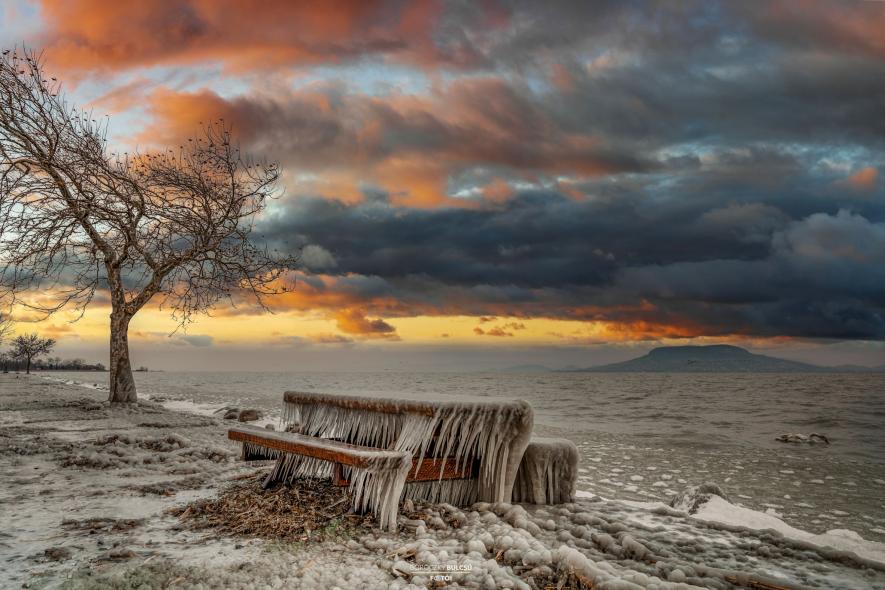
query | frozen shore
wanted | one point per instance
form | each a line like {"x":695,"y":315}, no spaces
{"x":87,"y":486}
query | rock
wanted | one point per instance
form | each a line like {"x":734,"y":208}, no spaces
{"x":232,"y":414}
{"x":120,"y":554}
{"x":57,"y":553}
{"x":412,"y":523}
{"x":249,"y":415}
{"x":269,"y":427}
{"x":812,"y":439}
{"x":694,"y":497}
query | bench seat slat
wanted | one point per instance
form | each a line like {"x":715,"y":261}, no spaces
{"x":428,"y":471}
{"x":310,"y":446}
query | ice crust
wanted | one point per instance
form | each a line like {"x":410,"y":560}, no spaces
{"x":619,"y":544}
{"x":609,"y":545}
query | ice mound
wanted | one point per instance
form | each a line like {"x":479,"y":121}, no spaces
{"x":548,"y":472}
{"x":718,"y":510}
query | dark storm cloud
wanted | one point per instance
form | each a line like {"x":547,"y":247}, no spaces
{"x":733,"y":268}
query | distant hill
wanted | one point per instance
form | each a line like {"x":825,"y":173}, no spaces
{"x":525,"y":369}
{"x":718,"y":358}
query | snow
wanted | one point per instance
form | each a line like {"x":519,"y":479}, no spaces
{"x":718,"y":510}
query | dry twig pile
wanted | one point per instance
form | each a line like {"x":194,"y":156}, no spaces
{"x":306,"y":510}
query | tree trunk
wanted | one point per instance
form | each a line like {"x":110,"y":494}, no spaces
{"x":122,"y":384}
{"x":28,"y":369}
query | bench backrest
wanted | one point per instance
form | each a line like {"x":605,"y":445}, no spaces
{"x":492,"y":432}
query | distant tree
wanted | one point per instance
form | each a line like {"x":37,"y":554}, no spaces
{"x":76,"y":218}
{"x":30,"y":346}
{"x":5,"y":357}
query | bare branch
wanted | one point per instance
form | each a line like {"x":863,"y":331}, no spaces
{"x":76,"y":219}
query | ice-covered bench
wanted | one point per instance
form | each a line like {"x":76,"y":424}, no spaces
{"x":457,"y":452}
{"x":487,"y":435}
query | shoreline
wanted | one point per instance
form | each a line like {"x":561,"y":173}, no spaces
{"x":62,"y":483}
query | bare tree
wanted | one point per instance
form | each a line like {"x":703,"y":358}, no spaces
{"x":5,"y":327}
{"x":77,"y":219}
{"x":30,"y":346}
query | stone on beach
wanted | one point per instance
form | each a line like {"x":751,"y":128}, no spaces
{"x":811,"y":439}
{"x":692,"y":498}
{"x":249,"y":415}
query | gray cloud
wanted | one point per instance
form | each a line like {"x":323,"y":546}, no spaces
{"x":198,"y":340}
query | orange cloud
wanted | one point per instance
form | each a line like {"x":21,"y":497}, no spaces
{"x":353,"y":321}
{"x":411,"y":146}
{"x":847,"y":26}
{"x":103,"y":34}
{"x":864,"y":179}
{"x":249,"y":35}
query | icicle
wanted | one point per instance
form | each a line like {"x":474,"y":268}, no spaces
{"x":253,"y":452}
{"x":495,"y":434}
{"x":458,"y":492}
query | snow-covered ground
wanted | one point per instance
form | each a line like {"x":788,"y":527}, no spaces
{"x":86,"y":487}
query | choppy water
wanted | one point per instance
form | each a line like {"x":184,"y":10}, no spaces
{"x":648,"y":436}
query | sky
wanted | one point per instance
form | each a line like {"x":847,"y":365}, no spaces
{"x":480,"y":184}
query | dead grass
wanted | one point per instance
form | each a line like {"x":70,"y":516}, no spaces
{"x":306,"y":511}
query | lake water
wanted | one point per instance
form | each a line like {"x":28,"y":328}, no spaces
{"x":648,"y":436}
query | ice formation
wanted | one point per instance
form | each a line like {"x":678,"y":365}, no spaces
{"x":692,"y":498}
{"x":376,"y":477}
{"x":494,"y":433}
{"x":253,"y":452}
{"x":548,"y":472}
{"x":616,"y":544}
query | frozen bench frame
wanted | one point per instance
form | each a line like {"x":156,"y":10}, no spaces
{"x":382,"y":472}
{"x":492,"y":432}
{"x":457,"y":452}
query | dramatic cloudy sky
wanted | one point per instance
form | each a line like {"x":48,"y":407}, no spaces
{"x":477,"y":184}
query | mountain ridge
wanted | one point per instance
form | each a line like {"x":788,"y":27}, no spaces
{"x":715,"y":358}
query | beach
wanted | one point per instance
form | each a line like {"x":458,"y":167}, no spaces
{"x":88,"y":490}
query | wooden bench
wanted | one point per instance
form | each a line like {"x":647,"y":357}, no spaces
{"x":492,"y":431}
{"x":381,"y":472}
{"x":458,"y":452}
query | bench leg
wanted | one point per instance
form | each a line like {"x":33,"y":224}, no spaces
{"x":273,"y":476}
